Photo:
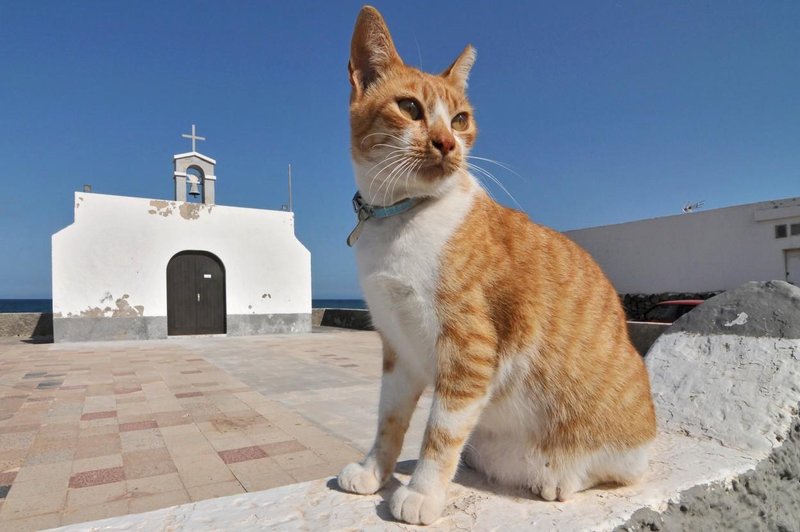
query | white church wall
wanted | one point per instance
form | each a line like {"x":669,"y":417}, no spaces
{"x":109,"y":266}
{"x":703,"y":251}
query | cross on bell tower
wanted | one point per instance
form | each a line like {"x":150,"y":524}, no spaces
{"x":203,"y":165}
{"x":194,"y":138}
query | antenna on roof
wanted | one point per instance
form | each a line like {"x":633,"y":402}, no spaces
{"x":691,"y":207}
{"x":290,"y":189}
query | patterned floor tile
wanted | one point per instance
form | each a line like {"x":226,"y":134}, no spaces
{"x":283,"y":447}
{"x":99,"y":415}
{"x":96,"y":477}
{"x":141,"y":425}
{"x":148,"y":463}
{"x":243,"y":454}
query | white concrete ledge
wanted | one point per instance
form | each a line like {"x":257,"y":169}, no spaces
{"x":679,"y":463}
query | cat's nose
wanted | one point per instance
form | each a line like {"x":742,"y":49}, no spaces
{"x":444,"y":144}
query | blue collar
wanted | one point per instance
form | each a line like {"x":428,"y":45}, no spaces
{"x":364,"y":211}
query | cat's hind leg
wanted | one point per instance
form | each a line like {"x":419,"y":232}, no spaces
{"x":557,"y":477}
{"x":400,"y":392}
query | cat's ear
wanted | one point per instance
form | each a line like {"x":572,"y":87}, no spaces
{"x":372,"y":51}
{"x":458,"y":72}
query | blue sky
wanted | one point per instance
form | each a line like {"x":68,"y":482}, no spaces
{"x":609,"y":111}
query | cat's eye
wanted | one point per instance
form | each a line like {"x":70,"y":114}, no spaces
{"x":410,"y":108}
{"x":460,"y":122}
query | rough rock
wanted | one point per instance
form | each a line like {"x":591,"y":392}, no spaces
{"x":755,"y":309}
{"x":732,"y":364}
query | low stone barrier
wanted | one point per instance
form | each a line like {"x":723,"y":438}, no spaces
{"x":726,"y":383}
{"x":344,"y":318}
{"x":26,"y":324}
{"x":643,"y":334}
{"x":637,"y":305}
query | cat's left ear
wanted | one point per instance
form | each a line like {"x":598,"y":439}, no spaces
{"x":458,"y":72}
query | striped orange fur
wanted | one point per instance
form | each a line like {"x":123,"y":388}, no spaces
{"x":516,"y":328}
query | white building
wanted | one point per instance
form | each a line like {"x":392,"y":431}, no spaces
{"x":702,"y":251}
{"x":135,"y":268}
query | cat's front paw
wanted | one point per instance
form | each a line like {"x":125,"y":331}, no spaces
{"x":357,"y":478}
{"x":416,"y":508}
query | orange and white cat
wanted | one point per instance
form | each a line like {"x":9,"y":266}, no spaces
{"x":516,"y":328}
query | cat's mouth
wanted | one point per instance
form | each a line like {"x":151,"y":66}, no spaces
{"x":437,"y":169}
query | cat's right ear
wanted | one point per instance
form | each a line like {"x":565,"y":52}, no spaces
{"x":372,"y":51}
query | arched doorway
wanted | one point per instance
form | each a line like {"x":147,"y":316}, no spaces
{"x":195,"y":294}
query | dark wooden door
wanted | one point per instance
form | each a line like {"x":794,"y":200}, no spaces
{"x":195,"y":294}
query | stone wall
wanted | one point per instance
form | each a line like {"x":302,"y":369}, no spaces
{"x":636,"y":305}
{"x":344,"y":318}
{"x":26,"y":324}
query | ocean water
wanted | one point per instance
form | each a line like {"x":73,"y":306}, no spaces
{"x":26,"y":305}
{"x":46,"y":305}
{"x":339,"y":303}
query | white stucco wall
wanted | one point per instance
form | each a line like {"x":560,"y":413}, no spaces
{"x":697,"y":252}
{"x":120,"y":246}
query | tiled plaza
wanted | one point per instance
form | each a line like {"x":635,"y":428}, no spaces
{"x":94,"y":430}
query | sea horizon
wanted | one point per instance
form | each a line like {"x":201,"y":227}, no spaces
{"x":10,"y":305}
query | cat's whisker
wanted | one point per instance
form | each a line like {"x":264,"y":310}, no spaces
{"x":402,"y":145}
{"x":412,"y":163}
{"x":391,"y":156}
{"x":417,"y":164}
{"x":412,"y":168}
{"x":502,"y":165}
{"x":496,"y":181}
{"x":392,"y":167}
{"x":396,"y":166}
{"x":387,"y":163}
{"x":384,"y":145}
{"x":402,"y":140}
{"x":393,"y":178}
{"x":484,"y":186}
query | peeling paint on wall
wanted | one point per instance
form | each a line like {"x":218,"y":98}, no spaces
{"x":161,"y":207}
{"x":191,"y":211}
{"x":123,"y":310}
{"x":188,"y":211}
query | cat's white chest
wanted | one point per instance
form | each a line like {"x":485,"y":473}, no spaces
{"x":399,"y":262}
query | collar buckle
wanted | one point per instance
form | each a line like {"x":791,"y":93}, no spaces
{"x":362,"y":209}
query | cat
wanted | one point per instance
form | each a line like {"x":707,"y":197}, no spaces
{"x":517,"y":329}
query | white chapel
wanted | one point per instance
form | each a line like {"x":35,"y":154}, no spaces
{"x":136,"y":268}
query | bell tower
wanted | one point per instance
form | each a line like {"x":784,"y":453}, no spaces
{"x":196,"y":170}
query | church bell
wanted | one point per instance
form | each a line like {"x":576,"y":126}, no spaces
{"x":193,"y":189}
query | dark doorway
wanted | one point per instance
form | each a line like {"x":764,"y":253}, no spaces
{"x":195,"y":294}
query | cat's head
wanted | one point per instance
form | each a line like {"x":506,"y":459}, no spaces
{"x":411,"y":131}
